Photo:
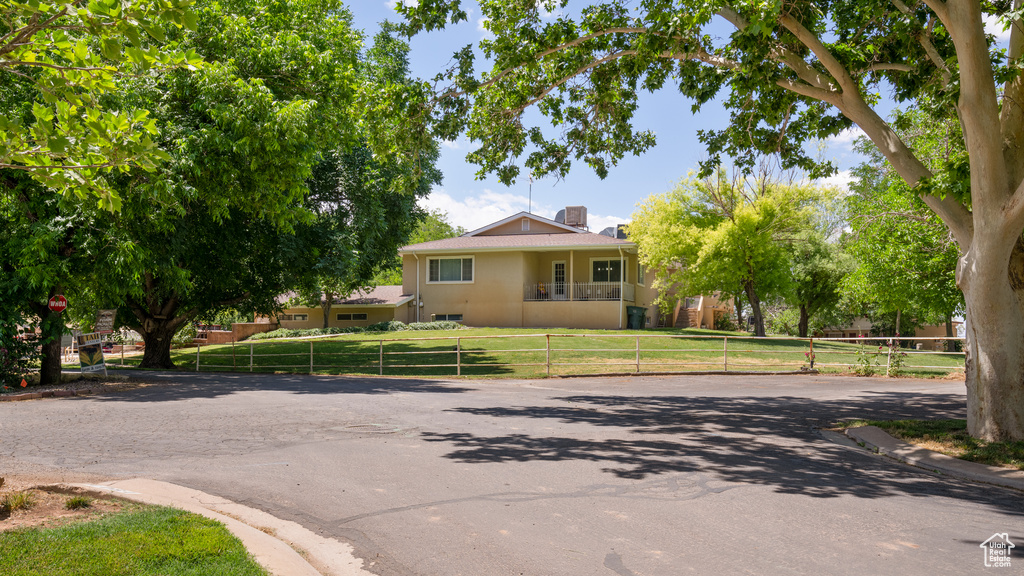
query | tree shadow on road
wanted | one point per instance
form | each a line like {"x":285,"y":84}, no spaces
{"x":770,"y":441}
{"x":172,"y":386}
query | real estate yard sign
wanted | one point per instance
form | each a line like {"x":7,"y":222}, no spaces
{"x":90,"y":353}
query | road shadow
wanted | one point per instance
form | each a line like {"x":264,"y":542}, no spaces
{"x":173,"y":386}
{"x":770,"y":441}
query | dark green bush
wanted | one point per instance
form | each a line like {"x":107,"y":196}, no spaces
{"x":390,"y":326}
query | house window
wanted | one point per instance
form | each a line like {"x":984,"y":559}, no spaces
{"x":605,"y":270}
{"x":351,"y":316}
{"x":450,"y":269}
{"x":641,"y":272}
{"x":526,"y":224}
{"x":294,"y":317}
{"x":451,"y":317}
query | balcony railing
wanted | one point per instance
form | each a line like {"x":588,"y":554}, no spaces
{"x":580,"y":291}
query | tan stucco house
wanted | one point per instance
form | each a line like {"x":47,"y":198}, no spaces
{"x":527,"y":271}
{"x":522,"y":271}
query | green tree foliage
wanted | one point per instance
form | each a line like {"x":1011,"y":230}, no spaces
{"x":434,"y":225}
{"x":787,"y":72}
{"x":720,"y":235}
{"x":906,"y":256}
{"x":818,"y":268}
{"x":69,"y":54}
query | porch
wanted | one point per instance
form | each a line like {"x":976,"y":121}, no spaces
{"x":579,"y":291}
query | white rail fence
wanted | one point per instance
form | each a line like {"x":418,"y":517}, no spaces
{"x":566,"y":354}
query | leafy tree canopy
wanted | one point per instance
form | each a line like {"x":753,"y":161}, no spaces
{"x":65,"y":55}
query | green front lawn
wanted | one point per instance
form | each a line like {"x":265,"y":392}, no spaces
{"x":138,"y":542}
{"x":523,"y":353}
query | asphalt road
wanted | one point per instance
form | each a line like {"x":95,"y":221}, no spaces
{"x":590,"y":476}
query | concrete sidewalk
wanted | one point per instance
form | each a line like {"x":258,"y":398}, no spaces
{"x":283,"y":548}
{"x":878,"y":440}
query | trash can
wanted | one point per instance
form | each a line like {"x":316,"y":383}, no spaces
{"x":635,"y":317}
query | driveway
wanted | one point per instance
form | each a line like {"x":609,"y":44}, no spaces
{"x":590,"y":476}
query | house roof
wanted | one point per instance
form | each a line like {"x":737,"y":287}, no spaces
{"x":534,"y":217}
{"x":379,"y":296}
{"x":583,"y":240}
{"x":384,"y":296}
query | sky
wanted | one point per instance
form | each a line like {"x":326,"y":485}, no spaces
{"x":472,"y":203}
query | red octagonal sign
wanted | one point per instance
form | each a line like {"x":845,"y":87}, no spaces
{"x":58,"y":303}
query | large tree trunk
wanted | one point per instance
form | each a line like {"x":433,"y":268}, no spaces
{"x":804,"y":321}
{"x":994,"y":339}
{"x":755,"y":308}
{"x":158,"y":336}
{"x":739,"y":313}
{"x":52,"y":330}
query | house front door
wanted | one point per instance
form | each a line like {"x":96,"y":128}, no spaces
{"x":558,"y":279}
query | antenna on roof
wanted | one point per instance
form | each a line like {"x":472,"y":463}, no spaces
{"x":530,"y":209}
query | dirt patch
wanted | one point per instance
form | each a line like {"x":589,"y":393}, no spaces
{"x":48,"y":507}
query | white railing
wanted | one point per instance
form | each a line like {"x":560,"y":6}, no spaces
{"x":580,"y":291}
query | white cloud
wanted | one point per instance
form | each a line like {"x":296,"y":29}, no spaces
{"x":994,"y":26}
{"x":845,"y":138}
{"x":455,"y":144}
{"x":489,"y":206}
{"x":484,"y":32}
{"x":841,"y":180}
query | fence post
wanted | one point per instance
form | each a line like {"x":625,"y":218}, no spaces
{"x":549,"y":355}
{"x":380,"y":360}
{"x":310,"y":356}
{"x":810,"y":356}
{"x":888,"y":358}
{"x":637,"y":354}
{"x":251,"y":344}
{"x":725,"y":353}
{"x":198,"y":346}
{"x":458,"y":356}
{"x":234,"y":363}
{"x":122,"y":353}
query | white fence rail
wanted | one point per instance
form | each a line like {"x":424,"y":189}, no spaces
{"x":567,"y":354}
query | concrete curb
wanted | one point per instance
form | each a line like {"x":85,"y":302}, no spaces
{"x":47,"y":394}
{"x":284,"y":548}
{"x":879,"y":441}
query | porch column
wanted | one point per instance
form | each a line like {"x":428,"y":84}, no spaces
{"x":571,"y":288}
{"x":622,"y":278}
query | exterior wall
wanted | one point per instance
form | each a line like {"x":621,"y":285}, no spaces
{"x":586,"y":314}
{"x":516,"y":227}
{"x":493,"y":298}
{"x":374,"y":314}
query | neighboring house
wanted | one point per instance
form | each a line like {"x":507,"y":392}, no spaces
{"x":522,"y":271}
{"x":381,"y":304}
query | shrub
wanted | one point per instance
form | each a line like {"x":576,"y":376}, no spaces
{"x":389,"y":326}
{"x":17,"y":355}
{"x":185,"y":335}
{"x":17,"y":501}
{"x":78,"y":502}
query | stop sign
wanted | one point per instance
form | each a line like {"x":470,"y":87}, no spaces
{"x":58,"y":303}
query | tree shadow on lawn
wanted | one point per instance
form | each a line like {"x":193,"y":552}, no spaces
{"x":768,"y":441}
{"x":172,"y":386}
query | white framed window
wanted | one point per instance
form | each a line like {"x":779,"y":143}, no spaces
{"x":641,"y":273}
{"x":526,"y":224}
{"x":606,"y":270}
{"x":353,"y":316}
{"x":458,"y":269}
{"x":294,"y":317}
{"x":451,"y":317}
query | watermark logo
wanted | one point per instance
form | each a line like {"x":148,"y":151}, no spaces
{"x":997,"y":550}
